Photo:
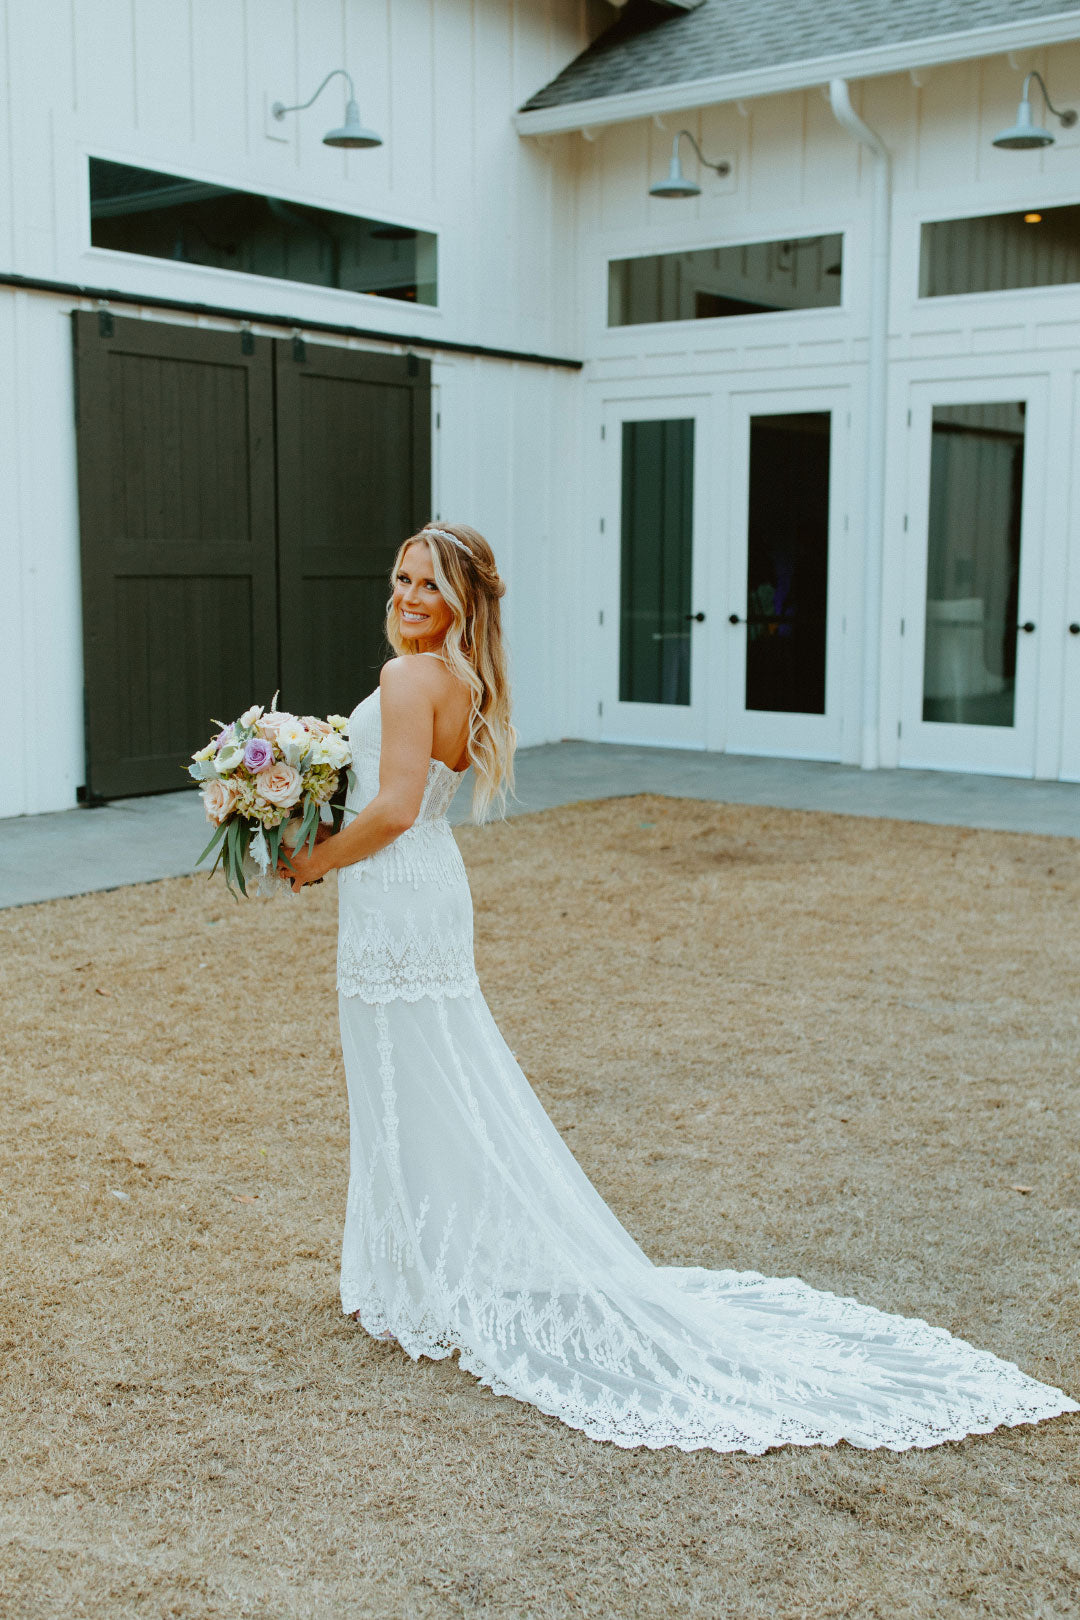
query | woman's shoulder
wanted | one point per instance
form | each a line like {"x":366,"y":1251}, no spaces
{"x":407,"y":669}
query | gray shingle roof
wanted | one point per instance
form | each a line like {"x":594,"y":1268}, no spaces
{"x":649,"y":46}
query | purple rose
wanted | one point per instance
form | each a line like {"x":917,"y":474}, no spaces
{"x":258,"y":754}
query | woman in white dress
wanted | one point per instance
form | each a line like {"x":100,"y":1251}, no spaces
{"x":470,"y":1227}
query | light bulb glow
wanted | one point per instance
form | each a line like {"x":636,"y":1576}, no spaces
{"x":1032,"y":219}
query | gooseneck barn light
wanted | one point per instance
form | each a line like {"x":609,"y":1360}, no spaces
{"x":676,"y":184}
{"x":352,"y":133}
{"x":1026,"y":135}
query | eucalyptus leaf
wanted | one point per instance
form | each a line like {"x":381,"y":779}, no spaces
{"x":219,"y":834}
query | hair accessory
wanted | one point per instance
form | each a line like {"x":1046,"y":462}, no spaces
{"x":444,"y":534}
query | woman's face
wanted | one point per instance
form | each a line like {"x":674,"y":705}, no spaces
{"x":423,"y":615}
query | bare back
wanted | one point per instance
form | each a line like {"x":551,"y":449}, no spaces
{"x":450,"y":732}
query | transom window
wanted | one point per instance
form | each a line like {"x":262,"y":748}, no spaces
{"x":752,"y":278}
{"x":165,"y":216}
{"x":1036,"y":247}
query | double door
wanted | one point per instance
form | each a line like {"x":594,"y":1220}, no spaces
{"x":722,"y":620}
{"x":240,"y":502}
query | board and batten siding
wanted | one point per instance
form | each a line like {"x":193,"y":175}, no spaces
{"x":184,"y":87}
{"x":796,"y":172}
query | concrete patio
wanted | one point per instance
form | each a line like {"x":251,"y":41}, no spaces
{"x":141,"y":840}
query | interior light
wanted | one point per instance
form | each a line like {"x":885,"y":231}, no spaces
{"x":1032,"y":219}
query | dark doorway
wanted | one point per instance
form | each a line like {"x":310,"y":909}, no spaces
{"x":788,"y":563}
{"x":240,"y":499}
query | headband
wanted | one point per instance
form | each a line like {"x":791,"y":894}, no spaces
{"x":444,"y":534}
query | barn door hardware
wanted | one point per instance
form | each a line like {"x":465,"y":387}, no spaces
{"x":104,"y":321}
{"x":247,"y":340}
{"x":1027,"y":627}
{"x":698,"y":618}
{"x":299,"y":347}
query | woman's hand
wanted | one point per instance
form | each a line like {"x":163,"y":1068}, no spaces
{"x":308,"y":866}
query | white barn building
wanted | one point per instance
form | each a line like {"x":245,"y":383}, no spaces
{"x":784,"y":466}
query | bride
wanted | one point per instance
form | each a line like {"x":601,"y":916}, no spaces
{"x":469,"y":1226}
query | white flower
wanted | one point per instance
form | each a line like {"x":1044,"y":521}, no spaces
{"x":294,"y":740}
{"x":338,"y":721}
{"x":330,"y":750}
{"x":206,"y":753}
{"x":252,"y":716}
{"x":230,"y":755}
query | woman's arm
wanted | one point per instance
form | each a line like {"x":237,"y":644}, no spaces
{"x":408,"y":725}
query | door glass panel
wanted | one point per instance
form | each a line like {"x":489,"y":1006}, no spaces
{"x":657,"y":538}
{"x":787,"y":571}
{"x":973,"y":563}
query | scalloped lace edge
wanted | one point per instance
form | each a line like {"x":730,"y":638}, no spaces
{"x":653,"y":1435}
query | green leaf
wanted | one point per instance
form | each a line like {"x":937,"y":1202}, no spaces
{"x":219,"y":834}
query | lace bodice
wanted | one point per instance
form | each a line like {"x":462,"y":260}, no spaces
{"x":365,"y":740}
{"x":404,"y":913}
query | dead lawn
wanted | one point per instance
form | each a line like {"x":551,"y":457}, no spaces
{"x":797,"y":1043}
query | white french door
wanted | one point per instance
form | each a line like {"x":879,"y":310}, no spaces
{"x":1070,"y":607}
{"x":971,"y":623}
{"x":655,"y":626}
{"x":783,"y":615}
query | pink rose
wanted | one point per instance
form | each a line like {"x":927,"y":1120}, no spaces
{"x":280,"y":784}
{"x":270,"y":723}
{"x":314,"y":724}
{"x":219,"y":800}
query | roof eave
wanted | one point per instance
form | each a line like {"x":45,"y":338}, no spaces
{"x":775,"y":80}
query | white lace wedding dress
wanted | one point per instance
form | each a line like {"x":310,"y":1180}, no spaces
{"x":470,"y":1227}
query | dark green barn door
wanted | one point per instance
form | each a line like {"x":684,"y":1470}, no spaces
{"x":354,"y":479}
{"x":176,"y":510}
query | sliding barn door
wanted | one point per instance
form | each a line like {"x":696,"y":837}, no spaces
{"x":354,"y":479}
{"x":179,"y":568}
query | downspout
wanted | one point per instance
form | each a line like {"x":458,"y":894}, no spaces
{"x":877,"y":395}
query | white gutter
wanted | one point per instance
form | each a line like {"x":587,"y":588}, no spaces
{"x":1025,"y":34}
{"x":877,"y":394}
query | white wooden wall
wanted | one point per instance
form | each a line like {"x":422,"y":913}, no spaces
{"x":183,"y":85}
{"x":795,"y":171}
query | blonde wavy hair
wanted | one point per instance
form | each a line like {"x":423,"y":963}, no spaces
{"x":464,"y":570}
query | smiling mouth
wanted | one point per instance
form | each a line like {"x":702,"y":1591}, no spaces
{"x":412,"y":618}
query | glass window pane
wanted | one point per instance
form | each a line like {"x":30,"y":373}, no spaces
{"x":998,"y":252}
{"x":973,"y":563}
{"x":657,"y":539}
{"x":787,"y":574}
{"x":757,"y":278}
{"x":164,"y":216}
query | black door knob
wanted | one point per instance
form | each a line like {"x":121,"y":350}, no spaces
{"x":1074,"y":629}
{"x":1027,"y":627}
{"x":699,"y":618}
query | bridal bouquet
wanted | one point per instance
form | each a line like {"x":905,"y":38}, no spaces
{"x":267,"y":781}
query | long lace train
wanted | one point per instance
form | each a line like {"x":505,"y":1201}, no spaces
{"x":470,"y":1227}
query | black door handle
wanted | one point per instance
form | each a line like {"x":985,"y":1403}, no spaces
{"x":1027,"y":626}
{"x":699,"y":618}
{"x":1074,"y":629}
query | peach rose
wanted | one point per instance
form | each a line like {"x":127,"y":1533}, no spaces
{"x":219,"y":800}
{"x":270,"y":723}
{"x":280,"y":784}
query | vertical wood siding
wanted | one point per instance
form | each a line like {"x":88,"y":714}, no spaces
{"x":184,"y":86}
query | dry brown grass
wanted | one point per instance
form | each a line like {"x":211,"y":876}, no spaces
{"x":799,"y":1043}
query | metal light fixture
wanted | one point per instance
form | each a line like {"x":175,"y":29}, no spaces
{"x":676,"y":184}
{"x":1026,"y":135}
{"x":352,"y":133}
